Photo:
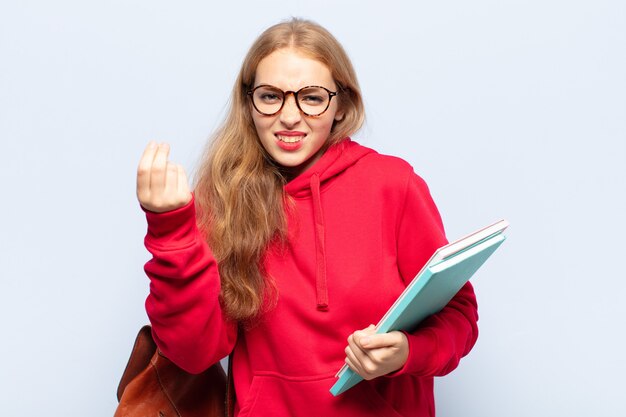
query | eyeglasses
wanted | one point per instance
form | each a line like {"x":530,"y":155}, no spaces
{"x":312,"y":100}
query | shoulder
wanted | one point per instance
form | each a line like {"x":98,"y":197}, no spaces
{"x":388,"y":170}
{"x":382,"y":161}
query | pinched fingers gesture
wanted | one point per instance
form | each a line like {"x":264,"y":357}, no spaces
{"x":161,"y":185}
{"x":372,"y":355}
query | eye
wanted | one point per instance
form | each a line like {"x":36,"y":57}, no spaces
{"x":312,"y":99}
{"x":313,"y":96}
{"x":268,"y":95}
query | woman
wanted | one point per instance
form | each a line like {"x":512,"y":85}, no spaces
{"x":294,"y":241}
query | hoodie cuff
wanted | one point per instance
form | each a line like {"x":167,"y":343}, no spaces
{"x":172,"y":229}
{"x":422,"y":354}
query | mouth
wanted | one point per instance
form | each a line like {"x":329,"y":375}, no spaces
{"x":290,"y":138}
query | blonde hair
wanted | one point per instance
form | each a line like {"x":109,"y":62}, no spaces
{"x":239,"y":190}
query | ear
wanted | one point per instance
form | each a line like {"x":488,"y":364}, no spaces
{"x":339,"y":115}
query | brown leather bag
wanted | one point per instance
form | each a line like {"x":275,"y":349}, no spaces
{"x":152,"y":386}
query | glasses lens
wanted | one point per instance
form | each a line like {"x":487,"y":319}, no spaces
{"x":267,"y":100}
{"x":313,"y":100}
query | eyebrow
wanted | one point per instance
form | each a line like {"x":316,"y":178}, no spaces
{"x":285,"y":91}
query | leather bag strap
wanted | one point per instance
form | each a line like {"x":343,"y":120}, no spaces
{"x":143,"y":350}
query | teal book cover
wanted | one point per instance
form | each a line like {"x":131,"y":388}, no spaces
{"x":436,"y":284}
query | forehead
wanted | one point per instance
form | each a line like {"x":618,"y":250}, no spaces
{"x":289,"y":69}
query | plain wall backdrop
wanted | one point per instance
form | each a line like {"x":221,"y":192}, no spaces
{"x":512,"y":109}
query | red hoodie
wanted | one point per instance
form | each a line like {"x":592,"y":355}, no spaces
{"x":363,"y":226}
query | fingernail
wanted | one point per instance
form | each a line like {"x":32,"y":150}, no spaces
{"x":152,"y":144}
{"x":365,"y":341}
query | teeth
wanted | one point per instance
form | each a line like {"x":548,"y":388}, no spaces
{"x":289,"y":139}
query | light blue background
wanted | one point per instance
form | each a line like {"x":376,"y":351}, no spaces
{"x":511,"y":109}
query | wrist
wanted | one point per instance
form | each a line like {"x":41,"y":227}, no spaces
{"x":176,"y":225}
{"x":422,"y":347}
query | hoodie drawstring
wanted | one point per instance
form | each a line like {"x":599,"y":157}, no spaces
{"x":320,"y":248}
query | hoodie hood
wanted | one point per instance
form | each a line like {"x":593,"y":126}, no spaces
{"x":333,"y":162}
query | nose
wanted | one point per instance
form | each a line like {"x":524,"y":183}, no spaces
{"x":290,"y":114}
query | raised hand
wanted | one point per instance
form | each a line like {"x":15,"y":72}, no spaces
{"x":161,"y":185}
{"x":372,"y":355}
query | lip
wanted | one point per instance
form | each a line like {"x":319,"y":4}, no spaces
{"x":289,"y":133}
{"x":290,"y":146}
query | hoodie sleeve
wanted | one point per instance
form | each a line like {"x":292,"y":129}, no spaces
{"x":440,"y":342}
{"x":188,"y":323}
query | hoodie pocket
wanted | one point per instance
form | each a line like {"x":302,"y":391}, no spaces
{"x":278,"y":395}
{"x":377,"y":400}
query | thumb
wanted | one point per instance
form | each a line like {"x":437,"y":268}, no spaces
{"x":363,"y":337}
{"x":383,"y":340}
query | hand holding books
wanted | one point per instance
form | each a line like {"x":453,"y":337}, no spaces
{"x":450,"y":267}
{"x":372,"y":355}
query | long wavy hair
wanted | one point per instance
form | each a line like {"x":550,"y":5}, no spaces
{"x":239,"y":189}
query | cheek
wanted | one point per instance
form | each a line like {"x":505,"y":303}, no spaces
{"x":323,"y":126}
{"x":261,"y":124}
{"x":334,"y":117}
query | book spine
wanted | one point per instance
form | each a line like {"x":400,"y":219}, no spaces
{"x":347,"y":380}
